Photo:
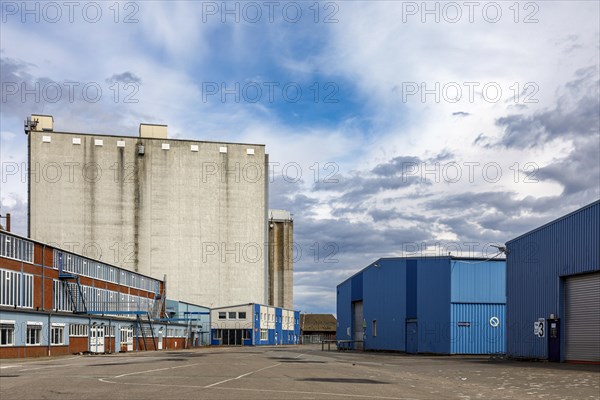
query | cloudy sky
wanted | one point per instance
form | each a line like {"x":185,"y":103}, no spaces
{"x":392,"y":127}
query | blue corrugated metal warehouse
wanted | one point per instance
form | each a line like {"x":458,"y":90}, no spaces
{"x":553,"y":289}
{"x":443,"y":305}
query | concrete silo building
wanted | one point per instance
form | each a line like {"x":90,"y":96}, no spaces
{"x":195,"y":211}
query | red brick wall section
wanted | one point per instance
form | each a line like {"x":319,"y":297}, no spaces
{"x":37,"y":292}
{"x":48,"y":294}
{"x":60,"y":350}
{"x":78,"y":344}
{"x":23,"y":351}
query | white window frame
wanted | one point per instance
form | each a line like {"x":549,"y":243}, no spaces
{"x":264,"y":335}
{"x":78,"y":330}
{"x":57,"y":331}
{"x":9,"y":327}
{"x":34,"y":326}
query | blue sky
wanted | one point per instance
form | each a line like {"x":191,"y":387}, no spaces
{"x":442,"y":131}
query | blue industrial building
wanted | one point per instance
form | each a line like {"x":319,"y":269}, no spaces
{"x":553,"y":289}
{"x":254,"y":325}
{"x":443,"y":305}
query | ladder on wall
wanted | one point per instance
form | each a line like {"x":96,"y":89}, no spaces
{"x":144,"y":326}
{"x":73,"y":288}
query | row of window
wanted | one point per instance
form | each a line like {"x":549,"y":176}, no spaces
{"x":16,"y":248}
{"x":33,"y":334}
{"x":99,"y":300}
{"x":176,"y":332}
{"x":232,"y":315}
{"x":16,"y":289}
{"x":275,"y":318}
{"x":97,"y":270}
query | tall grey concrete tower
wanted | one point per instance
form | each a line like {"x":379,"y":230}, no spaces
{"x":192,"y":210}
{"x":281,"y":259}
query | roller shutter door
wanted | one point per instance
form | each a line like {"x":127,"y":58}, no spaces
{"x":582,"y":318}
{"x":358,"y":324}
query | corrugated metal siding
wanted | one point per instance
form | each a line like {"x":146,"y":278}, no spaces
{"x":535,"y":263}
{"x":480,"y":337}
{"x":582,"y":318}
{"x":344,"y":310}
{"x":478,"y":282}
{"x":384,"y":292}
{"x":433,"y":305}
{"x":357,"y":287}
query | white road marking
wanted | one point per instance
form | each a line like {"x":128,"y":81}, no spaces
{"x":330,"y":394}
{"x":241,"y":376}
{"x":9,"y":366}
{"x":154,"y":370}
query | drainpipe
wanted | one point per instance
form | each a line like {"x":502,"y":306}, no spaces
{"x":43,"y":275}
{"x":49,"y":332}
{"x":114,"y":336}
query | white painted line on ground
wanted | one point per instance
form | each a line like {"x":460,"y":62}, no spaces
{"x":9,"y":366}
{"x":241,"y":376}
{"x":154,"y":370}
{"x":326,"y":394}
{"x":141,"y":372}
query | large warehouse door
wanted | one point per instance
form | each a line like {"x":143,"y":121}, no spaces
{"x":357,"y":324}
{"x":582,"y":318}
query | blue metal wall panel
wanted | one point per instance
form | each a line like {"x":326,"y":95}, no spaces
{"x":297,"y":325}
{"x":384,"y":290}
{"x":536,"y":262}
{"x":411,"y":289}
{"x":357,"y":287}
{"x":278,"y":326}
{"x":344,"y":310}
{"x":473,"y":331}
{"x":478,"y":282}
{"x":433,"y":309}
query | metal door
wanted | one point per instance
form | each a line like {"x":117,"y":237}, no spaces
{"x":412,"y":337}
{"x":160,"y":339}
{"x":129,"y":333}
{"x":358,"y":321}
{"x":97,"y":339}
{"x":582,"y":317}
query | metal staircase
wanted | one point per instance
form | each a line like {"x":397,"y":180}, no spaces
{"x":73,"y":288}
{"x":157,"y":308}
{"x":145,"y":328}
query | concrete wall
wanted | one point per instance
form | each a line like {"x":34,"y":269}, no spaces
{"x":281,"y":264}
{"x":186,"y":209}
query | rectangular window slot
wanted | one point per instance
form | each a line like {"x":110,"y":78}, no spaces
{"x":194,"y":147}
{"x":46,"y":139}
{"x":250,"y":152}
{"x":222,"y":149}
{"x":166,"y":146}
{"x":120,"y":143}
{"x":76,"y":140}
{"x":98,"y":142}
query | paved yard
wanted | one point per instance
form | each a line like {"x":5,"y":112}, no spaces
{"x":294,"y":372}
